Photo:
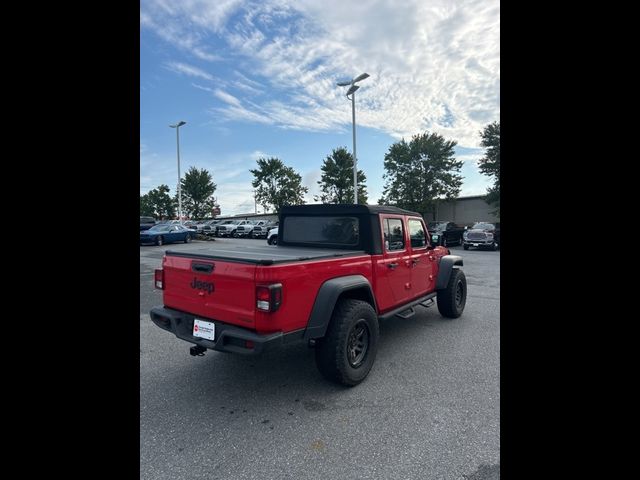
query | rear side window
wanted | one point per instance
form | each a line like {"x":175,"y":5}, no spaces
{"x":329,"y":230}
{"x":416,"y":232}
{"x":393,"y":234}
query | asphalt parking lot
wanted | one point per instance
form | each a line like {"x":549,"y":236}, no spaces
{"x":429,"y":409}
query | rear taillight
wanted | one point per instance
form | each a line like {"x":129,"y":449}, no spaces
{"x":159,"y":279}
{"x":269,"y":297}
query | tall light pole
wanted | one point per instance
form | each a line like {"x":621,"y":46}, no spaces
{"x":352,"y":91}
{"x":177,"y":127}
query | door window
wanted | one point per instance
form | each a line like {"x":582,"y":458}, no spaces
{"x":417,"y":234}
{"x":393,"y":234}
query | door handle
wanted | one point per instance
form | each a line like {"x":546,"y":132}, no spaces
{"x":202,"y":267}
{"x":392,"y":266}
{"x":415,"y":260}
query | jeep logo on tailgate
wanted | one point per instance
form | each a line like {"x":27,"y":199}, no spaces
{"x":201,"y":285}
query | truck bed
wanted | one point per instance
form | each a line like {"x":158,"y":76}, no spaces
{"x":265,"y":254}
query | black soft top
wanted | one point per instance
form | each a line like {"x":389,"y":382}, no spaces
{"x":343,"y":209}
{"x":370,"y":239}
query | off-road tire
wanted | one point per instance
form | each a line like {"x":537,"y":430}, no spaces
{"x":452,"y":299}
{"x":333,"y":356}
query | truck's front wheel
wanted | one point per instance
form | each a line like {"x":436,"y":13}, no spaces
{"x":451,"y":300}
{"x":347,"y":352}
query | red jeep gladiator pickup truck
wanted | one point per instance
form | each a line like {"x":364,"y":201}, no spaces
{"x":336,"y":272}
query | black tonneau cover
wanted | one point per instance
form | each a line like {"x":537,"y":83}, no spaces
{"x":264,"y":254}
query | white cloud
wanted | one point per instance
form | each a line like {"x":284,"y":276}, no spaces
{"x":201,"y":87}
{"x":310,"y":180}
{"x":470,"y":157}
{"x":189,"y":70}
{"x":434,"y":64}
{"x":255,"y":155}
{"x":176,"y":35}
{"x":236,"y":198}
{"x":226,"y":97}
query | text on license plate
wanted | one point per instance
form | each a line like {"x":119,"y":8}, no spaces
{"x":203,"y":329}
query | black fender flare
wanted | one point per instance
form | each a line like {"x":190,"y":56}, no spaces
{"x":327,"y":298}
{"x":447,"y":263}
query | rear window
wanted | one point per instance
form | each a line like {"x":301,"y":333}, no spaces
{"x":329,"y":230}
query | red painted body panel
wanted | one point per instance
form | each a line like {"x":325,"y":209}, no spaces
{"x":300,"y":284}
{"x":233,"y":299}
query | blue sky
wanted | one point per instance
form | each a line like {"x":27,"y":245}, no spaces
{"x":257,"y":78}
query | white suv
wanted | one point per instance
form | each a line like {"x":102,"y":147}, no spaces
{"x":272,"y":236}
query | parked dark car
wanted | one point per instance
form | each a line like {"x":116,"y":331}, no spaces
{"x":445,"y":233}
{"x":147,"y":222}
{"x":161,"y":234}
{"x":482,"y":235}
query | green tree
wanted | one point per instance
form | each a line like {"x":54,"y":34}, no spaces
{"x":421,"y":172}
{"x":158,"y":203}
{"x":336,"y":182}
{"x":490,"y":164}
{"x":146,"y":209}
{"x":277,"y":185}
{"x":197,"y":193}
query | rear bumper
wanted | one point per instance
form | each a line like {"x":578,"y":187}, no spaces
{"x":228,"y":338}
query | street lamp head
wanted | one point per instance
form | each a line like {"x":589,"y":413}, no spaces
{"x":361,"y":77}
{"x":352,"y":89}
{"x":343,"y":84}
{"x":179,"y":124}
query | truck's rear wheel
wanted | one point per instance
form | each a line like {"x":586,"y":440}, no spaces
{"x":347,"y":352}
{"x":451,"y":300}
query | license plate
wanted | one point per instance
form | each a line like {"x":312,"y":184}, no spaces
{"x":203,"y":329}
{"x":475,"y":244}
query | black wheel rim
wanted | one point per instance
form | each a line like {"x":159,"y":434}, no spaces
{"x":459,"y":294}
{"x":358,"y":344}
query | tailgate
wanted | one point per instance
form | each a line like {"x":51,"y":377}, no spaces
{"x":212,"y":289}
